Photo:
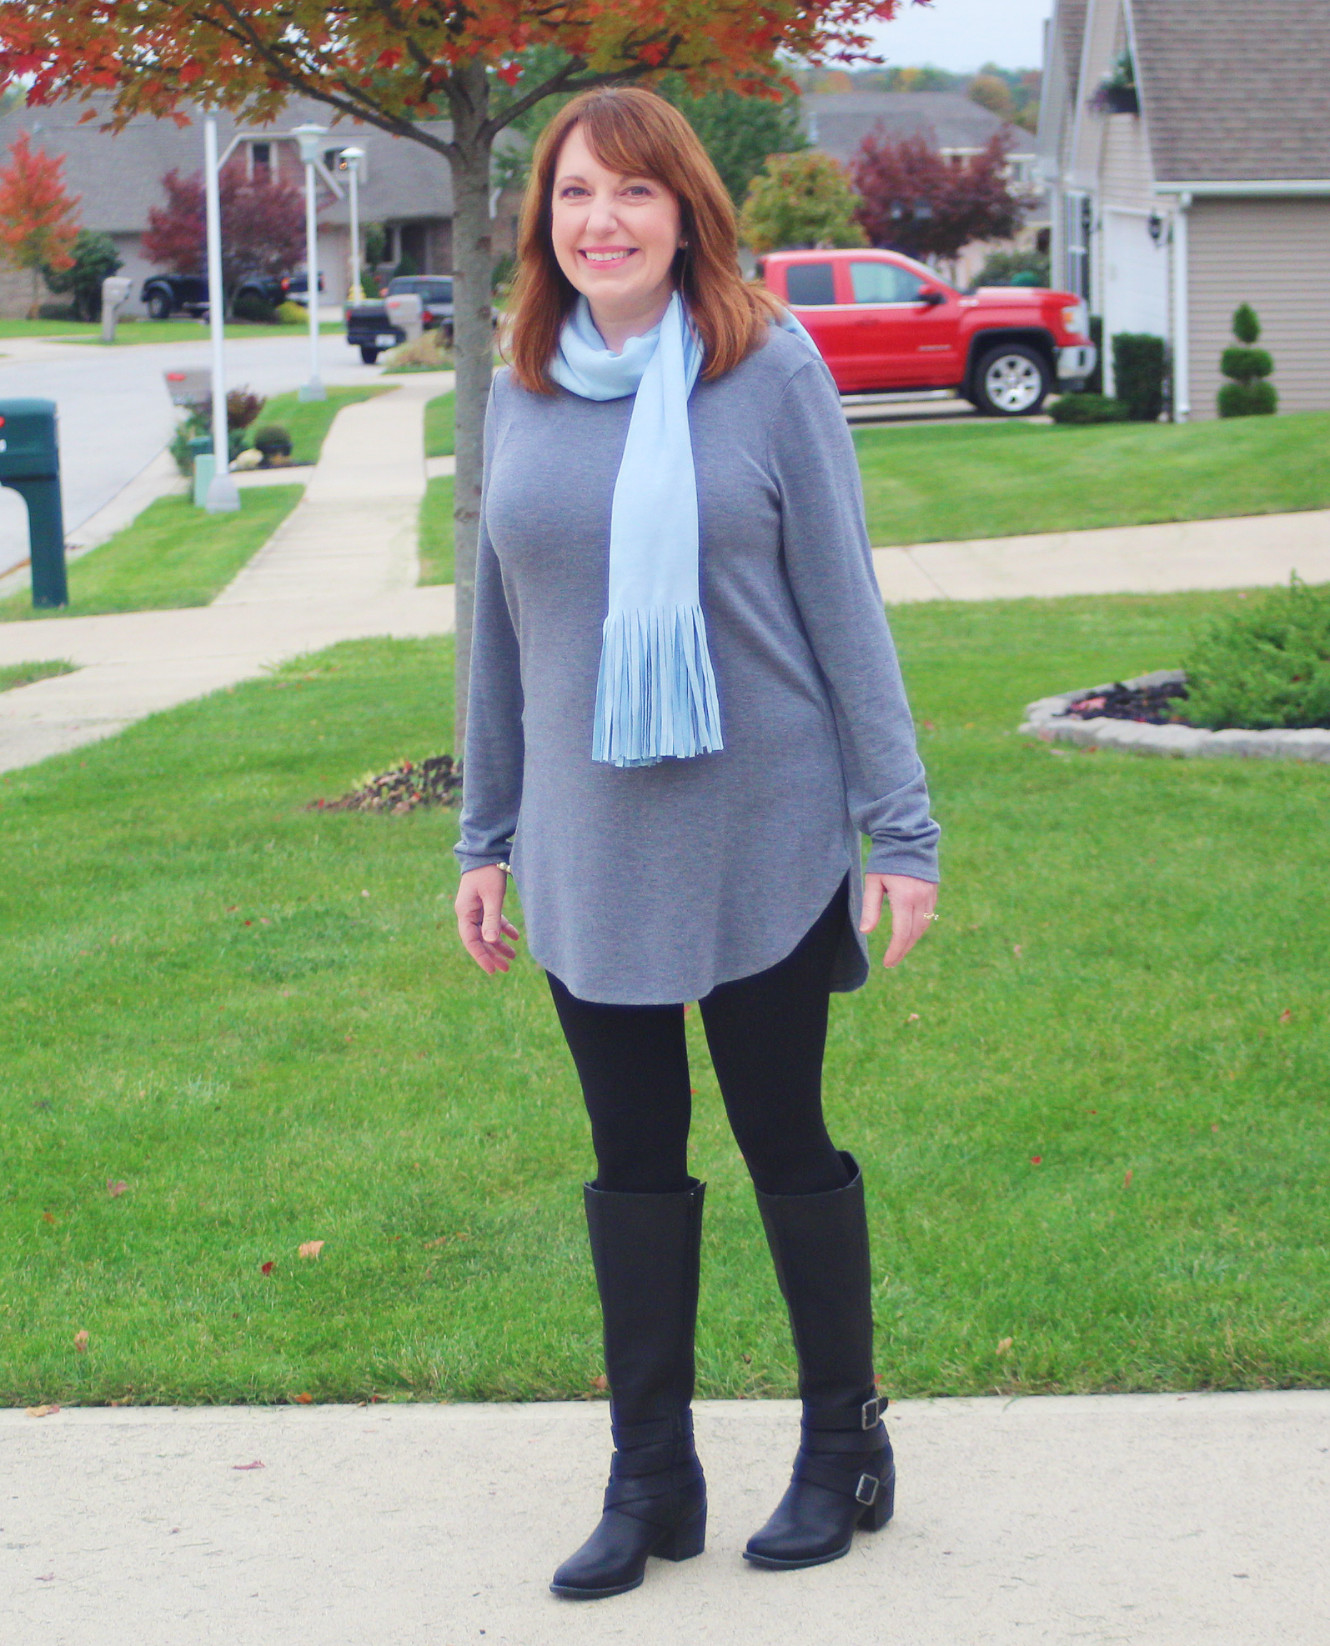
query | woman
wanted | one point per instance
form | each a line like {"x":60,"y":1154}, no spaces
{"x":685,"y":707}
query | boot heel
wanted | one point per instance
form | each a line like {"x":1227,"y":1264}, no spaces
{"x":686,"y":1540}
{"x":880,"y":1511}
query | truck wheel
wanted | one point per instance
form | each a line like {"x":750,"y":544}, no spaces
{"x":1011,"y":381}
{"x":367,"y":354}
{"x":159,"y":305}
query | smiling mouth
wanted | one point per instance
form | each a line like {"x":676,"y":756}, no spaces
{"x":607,"y":259}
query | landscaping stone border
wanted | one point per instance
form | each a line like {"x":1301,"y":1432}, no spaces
{"x":1048,"y":720}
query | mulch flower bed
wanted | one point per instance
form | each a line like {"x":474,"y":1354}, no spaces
{"x":433,"y":782}
{"x":1154,"y":705}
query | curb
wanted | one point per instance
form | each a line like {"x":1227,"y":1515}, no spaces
{"x":1047,"y":719}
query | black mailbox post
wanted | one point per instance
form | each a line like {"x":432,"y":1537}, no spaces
{"x":30,"y":463}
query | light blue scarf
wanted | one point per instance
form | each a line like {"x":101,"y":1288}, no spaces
{"x":656,"y":693}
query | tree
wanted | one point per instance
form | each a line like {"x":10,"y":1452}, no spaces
{"x":93,"y":257}
{"x":800,"y":200}
{"x":38,"y":220}
{"x":994,"y":94}
{"x":263,"y":227}
{"x":914,"y":200}
{"x":739,"y":133}
{"x":401,"y":65}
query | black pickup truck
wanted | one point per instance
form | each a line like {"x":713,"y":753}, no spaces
{"x":368,"y":326}
{"x":166,"y":294}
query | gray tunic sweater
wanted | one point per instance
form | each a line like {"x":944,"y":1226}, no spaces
{"x":652,"y":885}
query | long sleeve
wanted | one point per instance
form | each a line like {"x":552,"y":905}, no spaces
{"x":492,"y":768}
{"x":830,"y":568}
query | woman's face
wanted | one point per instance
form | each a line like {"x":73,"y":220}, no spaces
{"x":615,"y":238}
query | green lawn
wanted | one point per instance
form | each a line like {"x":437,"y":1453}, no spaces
{"x":308,"y":421}
{"x":152,"y":331}
{"x":439,"y":416}
{"x":999,"y":479}
{"x":13,"y":675}
{"x":171,"y":555}
{"x":436,"y":531}
{"x":256,"y":1018}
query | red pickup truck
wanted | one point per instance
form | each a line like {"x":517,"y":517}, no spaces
{"x":885,"y":323}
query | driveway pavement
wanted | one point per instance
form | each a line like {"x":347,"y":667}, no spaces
{"x":115,"y":414}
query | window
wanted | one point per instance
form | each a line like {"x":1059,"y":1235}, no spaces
{"x":437,"y":291}
{"x":260,"y":161}
{"x":1077,"y":207}
{"x":884,"y":283}
{"x":810,"y":283}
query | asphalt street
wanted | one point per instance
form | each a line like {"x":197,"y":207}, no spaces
{"x":115,"y":413}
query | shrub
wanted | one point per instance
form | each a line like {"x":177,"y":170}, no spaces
{"x":1094,"y":383}
{"x":427,"y":353}
{"x":1014,"y":268}
{"x":242,"y":408}
{"x":1140,"y":371}
{"x":1247,"y":393}
{"x":273,"y":440}
{"x":1087,"y":408}
{"x":95,"y":257}
{"x":249,"y":305}
{"x":292,"y":314}
{"x":1267,"y":666}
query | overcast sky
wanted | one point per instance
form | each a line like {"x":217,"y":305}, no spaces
{"x":961,"y":34}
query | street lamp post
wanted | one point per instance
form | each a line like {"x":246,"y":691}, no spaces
{"x":222,"y":496}
{"x":308,"y":138}
{"x":353,"y":161}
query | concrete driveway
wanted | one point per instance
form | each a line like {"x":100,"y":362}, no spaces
{"x":115,"y":414}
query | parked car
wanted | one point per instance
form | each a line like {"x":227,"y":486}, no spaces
{"x":368,"y":326}
{"x":166,"y":294}
{"x":885,"y":323}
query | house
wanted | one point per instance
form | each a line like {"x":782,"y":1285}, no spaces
{"x":405,"y":187}
{"x":837,"y":123}
{"x":1186,"y":147}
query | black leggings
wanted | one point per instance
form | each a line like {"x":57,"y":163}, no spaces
{"x":766,"y":1034}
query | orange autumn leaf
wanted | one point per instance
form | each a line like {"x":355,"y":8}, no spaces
{"x":81,"y":1342}
{"x":1004,"y":1345}
{"x":115,"y":1187}
{"x":303,"y":1399}
{"x":601,"y":1382}
{"x":1126,"y":1182}
{"x":310,"y":1248}
{"x":44,"y":1411}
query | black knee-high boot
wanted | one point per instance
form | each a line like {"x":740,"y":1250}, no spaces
{"x":645,"y":1248}
{"x":844,"y":1475}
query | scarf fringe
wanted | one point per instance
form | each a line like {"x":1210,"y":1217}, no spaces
{"x":656,"y":693}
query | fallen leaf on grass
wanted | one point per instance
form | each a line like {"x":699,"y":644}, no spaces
{"x":431,"y":1244}
{"x":1004,"y":1345}
{"x":81,"y":1342}
{"x":1126,"y":1182}
{"x":929,"y":726}
{"x":1016,"y":950}
{"x":47,"y":1218}
{"x":44,"y":1411}
{"x":267,"y":1268}
{"x":303,"y":1399}
{"x":1036,"y":1160}
{"x":913,"y":1017}
{"x":310,"y":1248}
{"x":1286,"y":1016}
{"x":114,"y":1187}
{"x":254,"y":1465}
{"x":601,"y":1382}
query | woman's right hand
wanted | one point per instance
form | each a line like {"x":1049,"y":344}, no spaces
{"x":480,"y":921}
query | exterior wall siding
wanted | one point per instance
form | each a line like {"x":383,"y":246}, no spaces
{"x":1271,"y":254}
{"x":1126,"y":177}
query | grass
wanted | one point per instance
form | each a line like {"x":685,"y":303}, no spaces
{"x":257,"y":1019}
{"x":439,"y":415}
{"x":152,"y":331}
{"x":308,"y":421}
{"x":999,"y":479}
{"x":170,"y":555}
{"x":436,"y":531}
{"x":13,"y":675}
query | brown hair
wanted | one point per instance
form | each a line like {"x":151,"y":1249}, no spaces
{"x":636,"y":133}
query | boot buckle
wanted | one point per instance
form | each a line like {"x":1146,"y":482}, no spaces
{"x":871,"y":1411}
{"x":866,"y":1491}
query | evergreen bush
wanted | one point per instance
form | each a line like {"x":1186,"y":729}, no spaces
{"x":1247,"y":393}
{"x":1140,"y":373}
{"x":273,"y":440}
{"x":1268,"y":666}
{"x":1087,"y":408}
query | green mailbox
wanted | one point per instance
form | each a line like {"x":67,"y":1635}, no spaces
{"x":30,"y":463}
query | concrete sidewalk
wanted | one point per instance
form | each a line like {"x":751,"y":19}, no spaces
{"x":1146,"y":1520}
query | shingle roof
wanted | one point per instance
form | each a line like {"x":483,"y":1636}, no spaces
{"x":837,"y":122}
{"x":1071,"y":15}
{"x":118,"y":174}
{"x":1235,"y":90}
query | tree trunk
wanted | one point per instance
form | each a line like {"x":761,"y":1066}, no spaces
{"x":472,"y":347}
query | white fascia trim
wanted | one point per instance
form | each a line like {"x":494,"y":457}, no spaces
{"x":1274,"y":185}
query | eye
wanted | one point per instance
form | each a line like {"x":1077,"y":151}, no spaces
{"x":641,"y":190}
{"x":570,"y":191}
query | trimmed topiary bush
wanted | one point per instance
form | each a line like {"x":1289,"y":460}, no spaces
{"x":292,"y":314}
{"x":1140,"y":372}
{"x":1247,"y":394}
{"x":1087,"y":408}
{"x":1265,"y":667}
{"x":273,"y":440}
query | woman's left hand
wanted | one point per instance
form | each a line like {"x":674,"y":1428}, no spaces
{"x":912,"y":903}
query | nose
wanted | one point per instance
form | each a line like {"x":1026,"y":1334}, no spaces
{"x":602,"y":218}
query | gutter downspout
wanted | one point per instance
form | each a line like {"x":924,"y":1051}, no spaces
{"x":1181,"y":315}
